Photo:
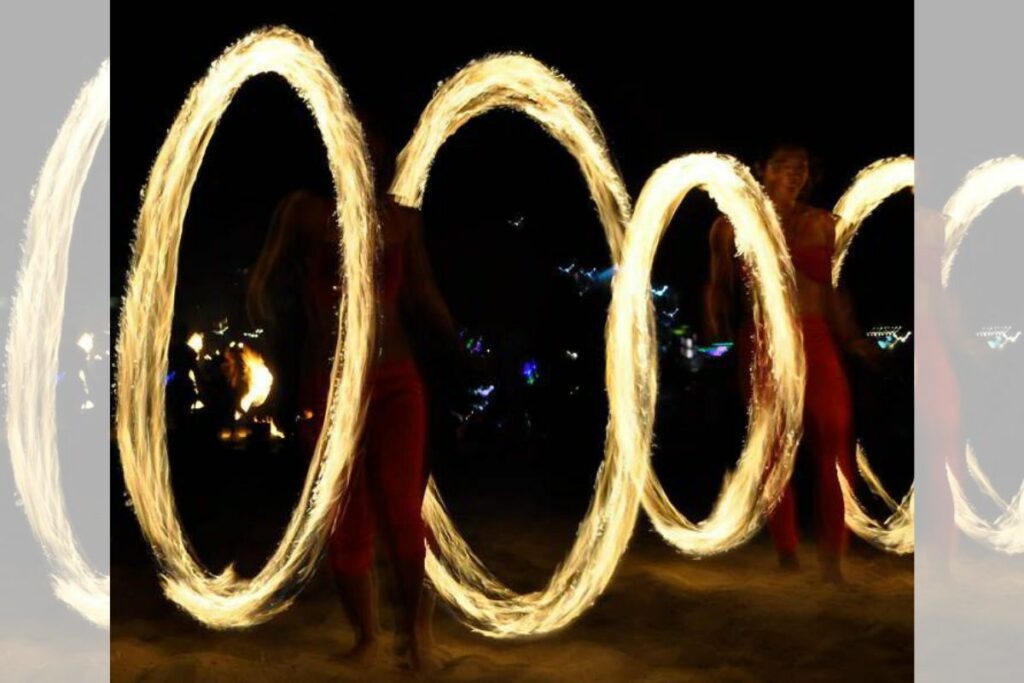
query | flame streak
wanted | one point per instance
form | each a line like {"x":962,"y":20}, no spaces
{"x":32,"y":349}
{"x":624,"y":478}
{"x":521,"y":83}
{"x":982,"y":186}
{"x":85,"y":342}
{"x":258,"y":380}
{"x":195,"y":342}
{"x":872,"y":186}
{"x":490,"y":608}
{"x":775,"y":421}
{"x":225,"y":600}
{"x":1006,"y":532}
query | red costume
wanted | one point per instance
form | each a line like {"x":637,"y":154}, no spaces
{"x":388,"y":478}
{"x":828,"y":416}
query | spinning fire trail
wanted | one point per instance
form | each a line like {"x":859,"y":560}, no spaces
{"x":526,"y":85}
{"x":32,"y":349}
{"x":624,"y":481}
{"x":870,"y":188}
{"x":982,"y":186}
{"x":775,"y":424}
{"x":224,"y":600}
{"x":523,"y":84}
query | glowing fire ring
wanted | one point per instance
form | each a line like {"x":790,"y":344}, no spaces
{"x":982,"y":186}
{"x":32,"y":349}
{"x":224,"y":600}
{"x":775,"y":424}
{"x":522,"y":83}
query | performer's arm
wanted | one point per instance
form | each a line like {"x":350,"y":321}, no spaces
{"x":841,"y":315}
{"x":420,"y":296}
{"x":718,"y":292}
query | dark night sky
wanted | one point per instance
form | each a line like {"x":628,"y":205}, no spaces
{"x":845,"y":90}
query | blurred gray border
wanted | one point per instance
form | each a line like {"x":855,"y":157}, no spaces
{"x":48,"y":50}
{"x":969,"y":108}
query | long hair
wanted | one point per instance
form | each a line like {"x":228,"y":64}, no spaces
{"x":281,"y":249}
{"x":279,"y":263}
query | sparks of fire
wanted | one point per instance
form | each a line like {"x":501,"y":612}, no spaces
{"x":258,"y":381}
{"x":275,"y":433}
{"x":85,"y":342}
{"x":195,"y":342}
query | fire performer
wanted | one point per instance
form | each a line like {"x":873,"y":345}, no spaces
{"x":389,"y":477}
{"x":827,"y":326}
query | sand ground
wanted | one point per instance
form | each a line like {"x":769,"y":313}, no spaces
{"x":663,"y":618}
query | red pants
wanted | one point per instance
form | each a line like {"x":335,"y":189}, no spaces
{"x":389,"y":477}
{"x":828,"y":434}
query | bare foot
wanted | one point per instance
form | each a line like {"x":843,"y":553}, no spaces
{"x":418,"y":655}
{"x":789,"y":562}
{"x":832,"y":572}
{"x":364,"y":652}
{"x":937,"y":572}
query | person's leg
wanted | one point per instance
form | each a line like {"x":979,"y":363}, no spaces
{"x":782,"y":520}
{"x":351,"y":557}
{"x":397,"y":478}
{"x":359,"y":599}
{"x":829,"y":428}
{"x":782,"y":527}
